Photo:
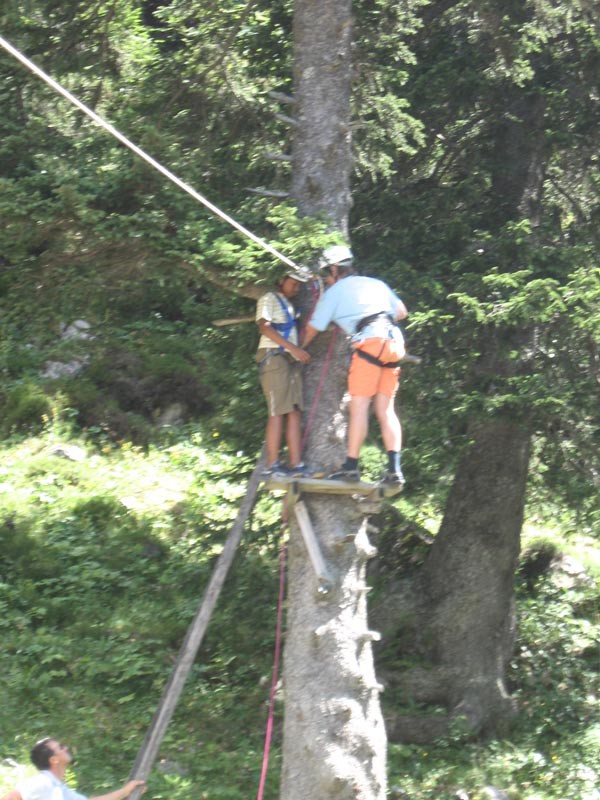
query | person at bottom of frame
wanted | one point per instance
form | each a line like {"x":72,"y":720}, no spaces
{"x":280,"y":361}
{"x":366,"y":309}
{"x":52,"y":759}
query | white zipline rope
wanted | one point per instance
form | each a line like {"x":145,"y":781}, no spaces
{"x":138,"y":151}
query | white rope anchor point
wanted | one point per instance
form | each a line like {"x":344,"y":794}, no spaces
{"x":139,"y":152}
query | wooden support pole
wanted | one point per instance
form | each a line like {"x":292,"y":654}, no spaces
{"x":220,"y":323}
{"x":312,"y":545}
{"x":172,"y":692}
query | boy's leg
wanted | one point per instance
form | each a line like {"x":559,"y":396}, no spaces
{"x":294,"y":437}
{"x":273,"y":437}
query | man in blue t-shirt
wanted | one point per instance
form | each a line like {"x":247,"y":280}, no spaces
{"x":52,"y":759}
{"x":366,"y":309}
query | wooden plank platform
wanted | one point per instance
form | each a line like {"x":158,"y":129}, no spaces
{"x":324,"y":486}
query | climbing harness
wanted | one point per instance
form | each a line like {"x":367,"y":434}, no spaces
{"x":272,"y":353}
{"x":374,"y":360}
{"x":284,"y":328}
{"x":139,"y":152}
{"x":365,"y":321}
{"x":384,"y":323}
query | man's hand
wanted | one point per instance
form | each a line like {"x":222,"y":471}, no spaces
{"x":122,"y":793}
{"x":131,"y":785}
{"x":300,"y":354}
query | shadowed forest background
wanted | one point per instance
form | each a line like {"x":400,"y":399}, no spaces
{"x":130,"y":422}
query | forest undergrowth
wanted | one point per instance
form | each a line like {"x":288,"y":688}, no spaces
{"x":105,"y":551}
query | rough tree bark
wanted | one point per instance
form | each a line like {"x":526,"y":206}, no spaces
{"x":334,"y":742}
{"x":458,"y":614}
{"x":321,"y":157}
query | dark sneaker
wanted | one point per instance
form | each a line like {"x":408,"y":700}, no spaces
{"x":276,"y":470}
{"x":300,"y":471}
{"x":346,"y":475}
{"x":393,"y":478}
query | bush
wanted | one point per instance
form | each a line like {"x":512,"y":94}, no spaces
{"x":25,"y":407}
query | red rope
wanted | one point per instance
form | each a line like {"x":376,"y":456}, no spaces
{"x":275,"y":676}
{"x":319,"y":389}
{"x":278,"y":636}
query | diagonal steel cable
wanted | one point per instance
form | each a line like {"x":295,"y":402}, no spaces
{"x":141,"y":153}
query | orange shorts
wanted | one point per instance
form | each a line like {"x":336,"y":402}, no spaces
{"x":366,"y":379}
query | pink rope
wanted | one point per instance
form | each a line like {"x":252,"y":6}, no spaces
{"x":319,"y":389}
{"x":275,"y":677}
{"x":316,"y":290}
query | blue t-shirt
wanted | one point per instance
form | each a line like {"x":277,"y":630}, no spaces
{"x":351,"y":299}
{"x":46,"y":786}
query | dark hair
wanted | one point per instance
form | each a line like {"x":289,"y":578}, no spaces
{"x":346,"y":268}
{"x":41,"y":753}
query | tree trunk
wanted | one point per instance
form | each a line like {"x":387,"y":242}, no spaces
{"x":322,"y":158}
{"x":334,"y":741}
{"x":469,"y":574}
{"x":460,"y":611}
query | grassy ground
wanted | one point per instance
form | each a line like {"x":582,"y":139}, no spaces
{"x":104,"y":554}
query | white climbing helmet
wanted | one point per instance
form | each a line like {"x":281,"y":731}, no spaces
{"x":299,"y":273}
{"x":336,"y":254}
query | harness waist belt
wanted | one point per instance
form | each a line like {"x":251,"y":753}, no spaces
{"x":362,"y":323}
{"x":374,"y":360}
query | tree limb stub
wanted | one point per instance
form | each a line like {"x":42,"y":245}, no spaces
{"x":268,"y":192}
{"x":278,"y":157}
{"x":286,"y":120}
{"x":281,"y":97}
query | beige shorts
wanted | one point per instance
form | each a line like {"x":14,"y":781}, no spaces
{"x":281,"y":381}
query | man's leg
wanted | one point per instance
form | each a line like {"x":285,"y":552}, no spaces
{"x":391,"y":433}
{"x":391,"y":429}
{"x":358,"y":425}
{"x":361,"y":377}
{"x":273,"y":437}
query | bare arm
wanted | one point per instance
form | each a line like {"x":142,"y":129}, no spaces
{"x":118,"y":794}
{"x":12,"y":795}
{"x":309,"y":335}
{"x":265,"y":327}
{"x":401,"y":312}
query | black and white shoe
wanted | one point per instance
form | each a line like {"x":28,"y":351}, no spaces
{"x":390,"y":478}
